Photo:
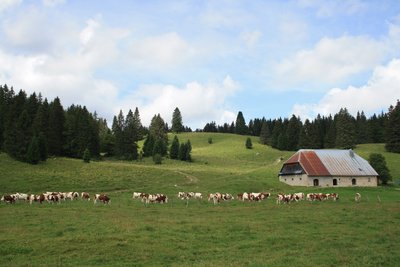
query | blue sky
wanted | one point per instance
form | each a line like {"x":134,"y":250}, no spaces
{"x":209,"y":58}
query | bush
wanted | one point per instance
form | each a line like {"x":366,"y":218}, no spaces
{"x":210,"y":141}
{"x":157,"y":158}
{"x":378,"y":162}
{"x":86,"y":155}
{"x":249,"y":144}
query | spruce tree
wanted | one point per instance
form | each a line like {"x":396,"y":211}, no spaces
{"x":361,"y":128}
{"x":392,"y":129}
{"x":293,"y":133}
{"x":159,"y":148}
{"x":86,"y":155}
{"x":138,"y":125}
{"x":117,"y":129}
{"x":265,"y":135}
{"x":174,"y":149}
{"x":378,"y":162}
{"x":148,"y":146}
{"x":345,"y":130}
{"x":182,"y":151}
{"x":55,"y":138}
{"x":42,"y":143}
{"x":33,"y":152}
{"x":177,"y":125}
{"x":130,"y":136}
{"x":240,"y":126}
{"x":188,"y":151}
{"x":157,"y":128}
{"x":249,"y":144}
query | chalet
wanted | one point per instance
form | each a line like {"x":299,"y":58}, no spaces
{"x":327,"y":168}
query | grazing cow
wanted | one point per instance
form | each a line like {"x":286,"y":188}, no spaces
{"x":85,"y":196}
{"x":196,"y":195}
{"x":137,"y":195}
{"x":357,"y":198}
{"x":102,"y":198}
{"x":150,"y":198}
{"x":227,"y":197}
{"x":215,"y":197}
{"x":21,"y":196}
{"x":8,"y":199}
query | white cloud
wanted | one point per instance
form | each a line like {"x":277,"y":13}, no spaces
{"x":6,"y":4}
{"x":198,"y":103}
{"x":381,"y":91}
{"x":331,"y":61}
{"x":161,"y":51}
{"x":52,"y":3}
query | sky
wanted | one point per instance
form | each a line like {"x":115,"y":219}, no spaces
{"x":211,"y":59}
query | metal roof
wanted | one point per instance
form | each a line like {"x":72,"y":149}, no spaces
{"x":332,"y":163}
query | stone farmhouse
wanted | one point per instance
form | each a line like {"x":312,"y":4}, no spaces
{"x":327,"y":168}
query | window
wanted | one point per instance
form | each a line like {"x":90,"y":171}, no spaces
{"x":334,"y":181}
{"x":316,"y":182}
{"x":369,"y":179}
{"x":292,"y":179}
{"x":353,"y":181}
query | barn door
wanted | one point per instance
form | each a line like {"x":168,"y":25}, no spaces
{"x":334,"y":181}
{"x":316,"y":182}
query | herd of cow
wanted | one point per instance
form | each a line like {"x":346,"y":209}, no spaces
{"x":53,"y":197}
{"x":57,"y":197}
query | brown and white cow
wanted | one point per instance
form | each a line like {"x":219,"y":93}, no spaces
{"x":102,"y":198}
{"x":357,"y":197}
{"x":8,"y":199}
{"x":85,"y":196}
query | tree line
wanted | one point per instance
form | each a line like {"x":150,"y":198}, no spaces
{"x":342,"y":130}
{"x":32,"y":129}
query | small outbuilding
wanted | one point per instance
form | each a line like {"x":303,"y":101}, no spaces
{"x":327,"y":168}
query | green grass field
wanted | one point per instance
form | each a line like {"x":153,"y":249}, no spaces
{"x":127,"y":233}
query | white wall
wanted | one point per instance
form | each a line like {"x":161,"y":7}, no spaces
{"x":304,"y":180}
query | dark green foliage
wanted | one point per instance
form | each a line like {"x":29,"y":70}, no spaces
{"x":361,"y":128}
{"x":292,"y":133}
{"x":345,"y":130}
{"x":42,"y":142}
{"x":117,"y":129}
{"x":174,"y":149}
{"x":249,"y":144}
{"x":86,"y":155}
{"x":55,"y":138}
{"x":376,"y":128}
{"x":177,"y":125}
{"x":378,"y":162}
{"x":130,"y":137}
{"x":81,"y":132}
{"x":158,"y":128}
{"x":309,"y":136}
{"x":148,"y":146}
{"x":138,"y":125}
{"x":240,"y":125}
{"x":160,"y":147}
{"x":185,"y":150}
{"x":265,"y":135}
{"x":393,"y":129}
{"x":106,"y":138}
{"x":157,"y":159}
{"x":23,"y":135}
{"x":210,"y":140}
{"x":33,"y":153}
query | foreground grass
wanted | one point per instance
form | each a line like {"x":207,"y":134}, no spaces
{"x":127,"y":233}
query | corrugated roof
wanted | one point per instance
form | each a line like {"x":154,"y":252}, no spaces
{"x":332,"y":163}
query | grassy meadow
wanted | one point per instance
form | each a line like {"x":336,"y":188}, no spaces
{"x":127,"y":233}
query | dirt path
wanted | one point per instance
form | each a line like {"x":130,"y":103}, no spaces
{"x":191,"y":178}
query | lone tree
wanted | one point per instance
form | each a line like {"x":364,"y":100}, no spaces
{"x":86,"y":155}
{"x":177,"y":125}
{"x":249,"y":144}
{"x":240,"y":127}
{"x":393,"y":129}
{"x":378,"y":162}
{"x":174,"y":149}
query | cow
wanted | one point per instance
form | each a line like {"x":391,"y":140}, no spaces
{"x":195,"y":195}
{"x":258,"y":196}
{"x":227,"y":197}
{"x":102,"y":198}
{"x":151,"y":198}
{"x":184,"y":195}
{"x":21,"y":196}
{"x":8,"y":199}
{"x":357,"y":197}
{"x":85,"y":196}
{"x":137,"y":195}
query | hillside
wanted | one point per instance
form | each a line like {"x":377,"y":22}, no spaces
{"x":127,"y":233}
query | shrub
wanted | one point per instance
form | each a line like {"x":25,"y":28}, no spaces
{"x":249,"y":144}
{"x":86,"y":155}
{"x":157,"y":158}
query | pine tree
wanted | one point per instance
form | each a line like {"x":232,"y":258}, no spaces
{"x":249,"y":144}
{"x":188,"y":151}
{"x":160,"y":148}
{"x":393,"y":129}
{"x":106,"y":138}
{"x":130,"y":136}
{"x":148,"y":146}
{"x":293,"y":133}
{"x":174,"y":149}
{"x":378,"y":162}
{"x":33,"y":152}
{"x":157,"y":128}
{"x":265,"y":135}
{"x":23,"y":135}
{"x":182,"y":151}
{"x":345,"y":130}
{"x":138,"y":125}
{"x":117,"y":129}
{"x":177,"y":125}
{"x":240,"y":126}
{"x":55,"y":138}
{"x":42,"y":143}
{"x":361,"y":128}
